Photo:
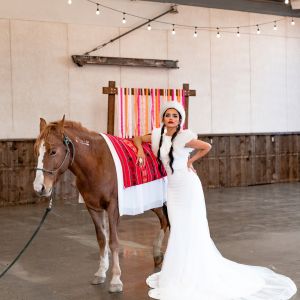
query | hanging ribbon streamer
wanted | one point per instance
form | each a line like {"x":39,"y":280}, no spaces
{"x":183,"y":103}
{"x":135,"y":111}
{"x":139,"y":111}
{"x":142,"y":113}
{"x":121,"y":113}
{"x":157,"y":108}
{"x":129,"y":113}
{"x":126,"y":112}
{"x":152,"y":110}
{"x":147,"y":111}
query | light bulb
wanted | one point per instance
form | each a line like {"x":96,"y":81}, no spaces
{"x":97,"y":11}
{"x":293,"y":22}
{"x":195,"y":32}
{"x":173,"y":30}
{"x":69,"y":2}
{"x":275,"y":26}
{"x":149,"y":26}
{"x":258,"y":30}
{"x":286,"y":1}
{"x":124,"y":19}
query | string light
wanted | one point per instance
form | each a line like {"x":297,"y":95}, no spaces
{"x":124,"y":18}
{"x":97,"y":11}
{"x":181,"y":25}
{"x":258,"y":30}
{"x":293,"y":22}
{"x":173,"y":30}
{"x":195,"y":33}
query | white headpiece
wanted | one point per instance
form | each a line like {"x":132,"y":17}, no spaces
{"x":176,"y":105}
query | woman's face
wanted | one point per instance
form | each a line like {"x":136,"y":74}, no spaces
{"x":171,"y":118}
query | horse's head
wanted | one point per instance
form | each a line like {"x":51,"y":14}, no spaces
{"x":52,"y":148}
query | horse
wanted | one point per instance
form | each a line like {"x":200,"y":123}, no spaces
{"x":63,"y":145}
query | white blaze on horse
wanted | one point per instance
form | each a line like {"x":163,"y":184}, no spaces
{"x":66,"y":145}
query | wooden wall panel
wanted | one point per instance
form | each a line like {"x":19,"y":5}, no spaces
{"x":17,"y":163}
{"x":242,"y":160}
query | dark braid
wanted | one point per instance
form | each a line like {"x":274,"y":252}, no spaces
{"x":158,"y":152}
{"x":171,"y":149}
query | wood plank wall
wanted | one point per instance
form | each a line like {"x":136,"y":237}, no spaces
{"x":235,"y":160}
{"x":243,"y":160}
{"x":17,"y":163}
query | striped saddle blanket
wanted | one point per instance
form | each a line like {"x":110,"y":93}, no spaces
{"x":133,"y":174}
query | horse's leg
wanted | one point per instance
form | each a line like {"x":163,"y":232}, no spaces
{"x":158,"y":255}
{"x":99,"y":219}
{"x":116,"y":284}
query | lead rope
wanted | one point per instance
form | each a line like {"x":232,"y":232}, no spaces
{"x":48,"y":209}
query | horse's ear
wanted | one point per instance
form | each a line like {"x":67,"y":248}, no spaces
{"x":43,"y":124}
{"x":62,"y":122}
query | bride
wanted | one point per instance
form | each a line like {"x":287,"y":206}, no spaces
{"x":193,"y":268}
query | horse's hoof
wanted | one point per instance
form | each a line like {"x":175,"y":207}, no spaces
{"x":158,"y":260}
{"x":116,"y":288}
{"x":98,"y":280}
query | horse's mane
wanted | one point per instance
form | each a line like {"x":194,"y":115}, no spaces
{"x":54,"y":128}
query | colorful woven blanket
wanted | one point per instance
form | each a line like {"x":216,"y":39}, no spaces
{"x":133,"y":174}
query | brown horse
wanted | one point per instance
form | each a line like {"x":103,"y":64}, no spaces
{"x":66,"y":145}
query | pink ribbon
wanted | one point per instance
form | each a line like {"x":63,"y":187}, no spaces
{"x":139,"y":112}
{"x":152,"y":109}
{"x":121,"y":110}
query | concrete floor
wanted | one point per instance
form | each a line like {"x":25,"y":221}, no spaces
{"x":257,"y":225}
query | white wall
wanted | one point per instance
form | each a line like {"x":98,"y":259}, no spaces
{"x":246,"y":84}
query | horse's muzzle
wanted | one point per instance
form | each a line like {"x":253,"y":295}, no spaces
{"x":43,"y":191}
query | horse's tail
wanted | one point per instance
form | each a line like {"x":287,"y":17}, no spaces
{"x":165,"y":211}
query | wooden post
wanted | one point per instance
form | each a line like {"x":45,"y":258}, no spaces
{"x":111,"y":90}
{"x":187,"y":94}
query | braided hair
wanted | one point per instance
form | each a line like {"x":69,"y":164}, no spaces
{"x":171,"y":149}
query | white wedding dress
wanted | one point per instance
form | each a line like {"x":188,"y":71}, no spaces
{"x":193,"y":268}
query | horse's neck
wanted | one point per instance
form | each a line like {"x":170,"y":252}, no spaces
{"x":88,"y":149}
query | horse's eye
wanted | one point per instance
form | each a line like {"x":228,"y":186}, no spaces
{"x":52,"y":152}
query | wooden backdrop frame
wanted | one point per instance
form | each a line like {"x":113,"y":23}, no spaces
{"x":111,"y":90}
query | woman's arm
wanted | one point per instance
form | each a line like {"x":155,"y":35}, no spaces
{"x":138,"y":140}
{"x":202,"y":147}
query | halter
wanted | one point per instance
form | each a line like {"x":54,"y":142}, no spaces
{"x":67,"y":141}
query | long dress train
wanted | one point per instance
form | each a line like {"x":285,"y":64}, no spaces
{"x":193,"y":268}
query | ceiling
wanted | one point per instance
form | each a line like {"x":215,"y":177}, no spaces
{"x":272,"y":7}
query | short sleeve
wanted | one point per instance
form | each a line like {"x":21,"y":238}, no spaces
{"x":155,"y":137}
{"x":187,"y":136}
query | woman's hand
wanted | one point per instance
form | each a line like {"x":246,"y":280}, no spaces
{"x":190,"y":166}
{"x":138,"y":140}
{"x":141,"y":158}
